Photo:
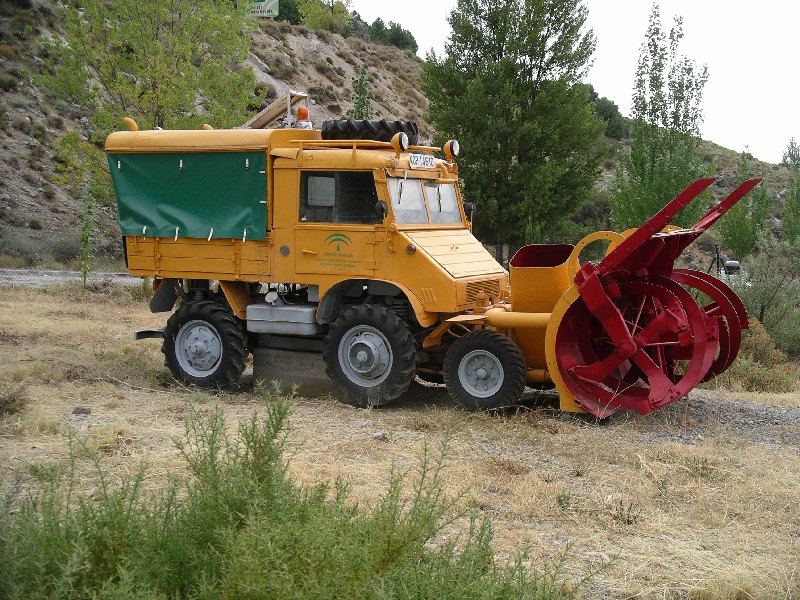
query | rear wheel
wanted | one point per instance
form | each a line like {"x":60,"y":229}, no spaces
{"x":204,"y":345}
{"x":485,"y":370}
{"x":370,"y":355}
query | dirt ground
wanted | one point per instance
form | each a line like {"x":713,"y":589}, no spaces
{"x":699,"y":500}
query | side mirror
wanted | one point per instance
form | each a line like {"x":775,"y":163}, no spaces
{"x":381,"y":209}
{"x":469,"y":210}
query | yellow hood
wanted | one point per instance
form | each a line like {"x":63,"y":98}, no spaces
{"x":457,"y":251}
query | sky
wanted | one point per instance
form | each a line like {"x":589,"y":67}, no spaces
{"x":752,"y":98}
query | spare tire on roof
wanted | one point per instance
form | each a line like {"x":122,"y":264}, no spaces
{"x":359,"y":129}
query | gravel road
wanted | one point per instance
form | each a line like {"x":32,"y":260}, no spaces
{"x":706,"y":415}
{"x":709,"y":415}
{"x":44,"y":277}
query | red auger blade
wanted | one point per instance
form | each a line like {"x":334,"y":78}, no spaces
{"x":726,"y":308}
{"x":653,"y":225}
{"x":715,"y":212}
{"x":725,"y":205}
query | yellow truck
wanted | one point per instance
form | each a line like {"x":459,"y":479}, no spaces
{"x":362,"y":249}
{"x":280,"y":238}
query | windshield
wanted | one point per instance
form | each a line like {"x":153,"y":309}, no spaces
{"x":408,"y":201}
{"x":442,"y":202}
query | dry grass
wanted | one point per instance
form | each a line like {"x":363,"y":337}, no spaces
{"x":715,"y":518}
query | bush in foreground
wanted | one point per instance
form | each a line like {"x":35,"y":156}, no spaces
{"x":239,"y":527}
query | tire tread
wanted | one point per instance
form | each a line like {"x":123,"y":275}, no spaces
{"x":233,"y":343}
{"x":399,"y":336}
{"x":361,"y":129}
{"x":509,"y":355}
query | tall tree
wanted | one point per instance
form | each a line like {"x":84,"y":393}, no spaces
{"x":289,"y":10}
{"x":331,"y":15}
{"x":790,"y":220}
{"x":362,"y":101}
{"x":508,"y":89}
{"x":791,"y":158}
{"x":616,"y":126}
{"x":742,"y":225}
{"x":664,"y":152}
{"x":166,"y":64}
{"x":392,"y":35}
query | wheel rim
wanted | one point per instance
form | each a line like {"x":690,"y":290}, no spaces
{"x":365,"y":356}
{"x":480,"y":373}
{"x":198,"y":348}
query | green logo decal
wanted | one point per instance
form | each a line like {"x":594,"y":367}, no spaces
{"x":338,"y":239}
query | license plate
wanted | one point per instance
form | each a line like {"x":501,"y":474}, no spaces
{"x":421,"y":161}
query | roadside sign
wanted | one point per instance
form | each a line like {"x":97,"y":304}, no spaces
{"x":264,"y":8}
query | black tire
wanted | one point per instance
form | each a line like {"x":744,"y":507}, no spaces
{"x":503,"y":371}
{"x":211,"y":329}
{"x":370,"y":355}
{"x":358,"y":129}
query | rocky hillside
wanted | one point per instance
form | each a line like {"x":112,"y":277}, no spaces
{"x":39,"y":209}
{"x":289,"y":57}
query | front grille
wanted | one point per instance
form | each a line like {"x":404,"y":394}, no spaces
{"x":489,"y":288}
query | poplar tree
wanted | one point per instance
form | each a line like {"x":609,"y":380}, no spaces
{"x":791,"y":157}
{"x":362,"y":101}
{"x":664,"y":152}
{"x":742,"y":225}
{"x":508,"y":88}
{"x":790,"y":220}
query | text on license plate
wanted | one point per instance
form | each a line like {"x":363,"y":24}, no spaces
{"x":421,"y":161}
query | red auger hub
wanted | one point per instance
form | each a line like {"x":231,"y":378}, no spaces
{"x":631,"y":334}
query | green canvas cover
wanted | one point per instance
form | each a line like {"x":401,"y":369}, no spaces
{"x":193,"y":192}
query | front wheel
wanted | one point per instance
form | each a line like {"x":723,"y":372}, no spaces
{"x":204,"y":345}
{"x":485,"y":370}
{"x":370,"y":355}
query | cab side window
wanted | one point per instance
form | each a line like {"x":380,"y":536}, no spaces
{"x":338,"y":197}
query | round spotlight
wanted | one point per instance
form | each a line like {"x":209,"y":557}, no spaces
{"x":451,"y":150}
{"x":400,"y":142}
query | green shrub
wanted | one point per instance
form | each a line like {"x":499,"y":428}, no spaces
{"x":63,"y":248}
{"x":760,"y":366}
{"x":22,"y":124}
{"x":322,"y":94}
{"x":239,"y":527}
{"x":8,"y":82}
{"x":324,"y":68}
{"x":13,"y":398}
{"x":39,"y":131}
{"x":18,"y":245}
{"x":280,"y":69}
{"x":9,"y":52}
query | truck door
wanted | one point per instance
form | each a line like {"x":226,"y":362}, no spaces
{"x":337,"y":223}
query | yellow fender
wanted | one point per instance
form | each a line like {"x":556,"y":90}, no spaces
{"x":567,"y":401}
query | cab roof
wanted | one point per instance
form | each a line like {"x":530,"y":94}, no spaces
{"x":205,"y":140}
